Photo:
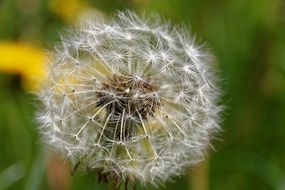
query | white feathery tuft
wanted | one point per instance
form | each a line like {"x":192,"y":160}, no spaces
{"x":130,"y":98}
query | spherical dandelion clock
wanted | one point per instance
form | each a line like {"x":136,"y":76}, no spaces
{"x":131,"y":99}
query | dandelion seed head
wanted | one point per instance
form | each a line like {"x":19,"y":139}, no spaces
{"x":130,"y":98}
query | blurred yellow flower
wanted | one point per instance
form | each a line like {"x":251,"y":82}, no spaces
{"x":24,"y":60}
{"x":67,"y":10}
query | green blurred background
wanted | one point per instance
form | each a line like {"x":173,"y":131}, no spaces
{"x":248,"y":39}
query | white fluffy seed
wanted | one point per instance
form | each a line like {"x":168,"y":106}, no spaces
{"x":159,"y":122}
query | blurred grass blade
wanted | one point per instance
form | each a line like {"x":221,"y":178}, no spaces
{"x":37,"y":172}
{"x":11,"y":175}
